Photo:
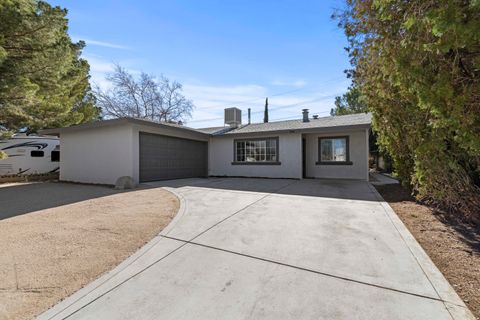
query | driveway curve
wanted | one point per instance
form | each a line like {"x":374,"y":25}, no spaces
{"x":273,"y":249}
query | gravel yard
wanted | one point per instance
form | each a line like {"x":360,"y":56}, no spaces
{"x":57,"y":237}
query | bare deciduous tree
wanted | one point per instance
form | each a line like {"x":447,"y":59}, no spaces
{"x":148,"y":97}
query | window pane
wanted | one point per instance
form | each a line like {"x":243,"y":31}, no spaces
{"x":241,"y":155}
{"x":249,"y":151}
{"x":257,"y":151}
{"x":341,"y":149}
{"x":326,"y":150}
{"x":240,"y":151}
{"x":272,"y":150}
{"x":263,"y":150}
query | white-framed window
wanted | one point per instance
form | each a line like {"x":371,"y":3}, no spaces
{"x":259,"y":150}
{"x":333,"y":150}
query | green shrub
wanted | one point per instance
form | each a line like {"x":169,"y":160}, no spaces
{"x":417,"y":65}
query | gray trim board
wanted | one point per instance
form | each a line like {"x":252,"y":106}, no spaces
{"x":256,"y":163}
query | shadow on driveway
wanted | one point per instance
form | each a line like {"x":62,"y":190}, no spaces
{"x":323,"y":188}
{"x":18,"y":199}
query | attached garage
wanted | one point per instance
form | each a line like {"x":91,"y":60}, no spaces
{"x":164,"y":157}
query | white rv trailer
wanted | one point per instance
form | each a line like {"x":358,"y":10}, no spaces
{"x":30,"y":154}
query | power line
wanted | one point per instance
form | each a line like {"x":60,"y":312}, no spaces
{"x":234,"y":104}
{"x":298,"y":117}
{"x":286,"y":118}
{"x":204,"y":120}
{"x":276,"y":108}
{"x":297,"y":103}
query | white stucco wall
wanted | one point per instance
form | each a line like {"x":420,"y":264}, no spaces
{"x":97,"y":155}
{"x":102,"y":154}
{"x":221,"y":155}
{"x":358,"y":155}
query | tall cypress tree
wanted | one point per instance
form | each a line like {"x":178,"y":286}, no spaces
{"x":265,"y":114}
{"x":43,"y":81}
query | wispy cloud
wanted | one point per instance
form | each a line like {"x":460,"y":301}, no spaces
{"x":212,"y":97}
{"x":299,"y":83}
{"x":100,"y":43}
{"x":98,"y":64}
{"x":101,"y":67}
{"x":210,"y":101}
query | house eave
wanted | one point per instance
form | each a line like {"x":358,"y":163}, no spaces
{"x":302,"y":130}
{"x":115,"y":122}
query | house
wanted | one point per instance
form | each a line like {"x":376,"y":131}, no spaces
{"x":326,"y":147}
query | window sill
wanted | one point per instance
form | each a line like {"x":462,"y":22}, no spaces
{"x":255,"y":163}
{"x":334,"y":163}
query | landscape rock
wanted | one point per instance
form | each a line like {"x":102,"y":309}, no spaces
{"x":125,"y":182}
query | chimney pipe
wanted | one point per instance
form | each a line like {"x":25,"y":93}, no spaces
{"x":249,"y":115}
{"x":305,"y":115}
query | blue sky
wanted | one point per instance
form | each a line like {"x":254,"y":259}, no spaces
{"x":225,"y":53}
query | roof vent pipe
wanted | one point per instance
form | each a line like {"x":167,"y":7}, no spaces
{"x":305,"y":115}
{"x":315,"y":116}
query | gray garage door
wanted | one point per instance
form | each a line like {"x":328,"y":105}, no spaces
{"x":163,"y":157}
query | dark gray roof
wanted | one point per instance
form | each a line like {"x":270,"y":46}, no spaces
{"x":354,"y":120}
{"x":357,"y":120}
{"x":110,"y":122}
{"x":214,"y":130}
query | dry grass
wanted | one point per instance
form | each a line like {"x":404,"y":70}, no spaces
{"x":452,"y":245}
{"x":49,"y":253}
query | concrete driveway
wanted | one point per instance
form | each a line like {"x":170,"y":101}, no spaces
{"x":273,"y":249}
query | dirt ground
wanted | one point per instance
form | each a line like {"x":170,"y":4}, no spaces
{"x":453,"y":246}
{"x":57,"y":237}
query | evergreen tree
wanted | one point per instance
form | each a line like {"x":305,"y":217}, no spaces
{"x":417,"y":65}
{"x":265,"y":113}
{"x":43,"y":80}
{"x":350,"y":102}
